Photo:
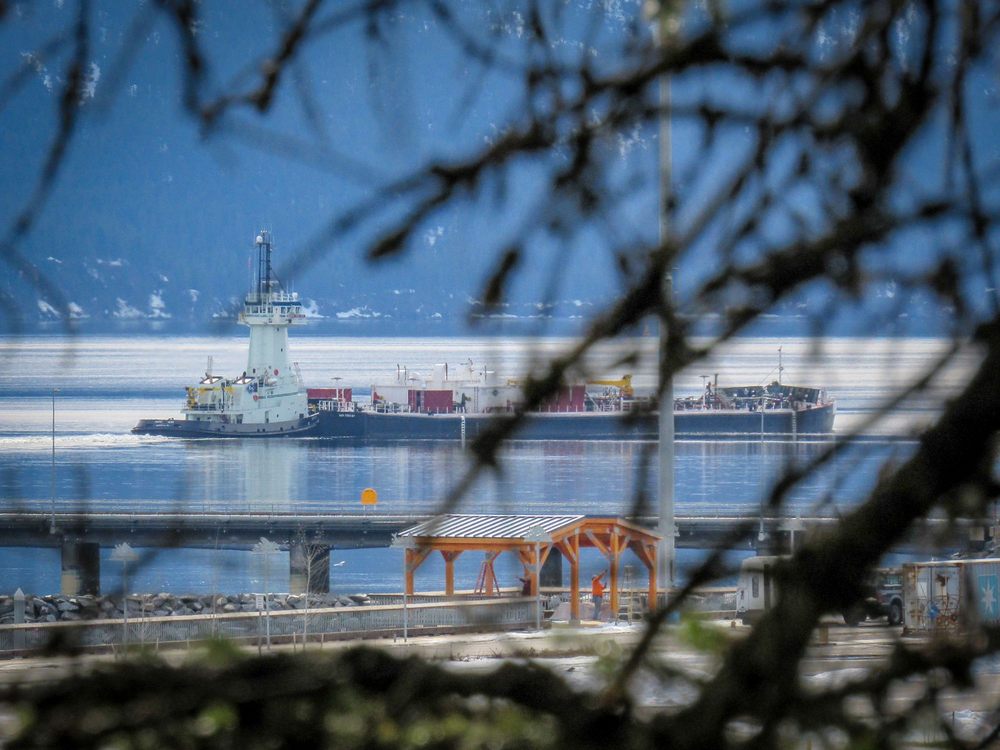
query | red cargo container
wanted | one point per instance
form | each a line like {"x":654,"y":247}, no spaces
{"x":568,"y":399}
{"x":431,"y":402}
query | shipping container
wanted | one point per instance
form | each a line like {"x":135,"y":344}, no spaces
{"x":430,"y":402}
{"x":567,"y":399}
{"x":951,"y":595}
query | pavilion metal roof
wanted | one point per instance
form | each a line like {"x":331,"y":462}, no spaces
{"x":472,"y":526}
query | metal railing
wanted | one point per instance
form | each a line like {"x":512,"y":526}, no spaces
{"x":283,"y":626}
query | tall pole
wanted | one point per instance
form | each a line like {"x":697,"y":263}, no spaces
{"x":538,"y":586}
{"x":406,"y":569}
{"x":665,"y":527}
{"x":52,"y":477}
{"x":125,"y":605}
{"x":267,"y":602}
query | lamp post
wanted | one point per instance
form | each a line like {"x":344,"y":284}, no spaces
{"x":265,"y":548}
{"x":538,"y":535}
{"x":124,"y":554}
{"x":404,"y":543}
{"x":52,"y":478}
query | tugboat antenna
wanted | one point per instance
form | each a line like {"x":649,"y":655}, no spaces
{"x":780,"y":366}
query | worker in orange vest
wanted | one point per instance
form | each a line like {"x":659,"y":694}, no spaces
{"x":597,"y":592}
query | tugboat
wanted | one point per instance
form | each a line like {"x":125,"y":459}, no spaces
{"x":269,"y":398}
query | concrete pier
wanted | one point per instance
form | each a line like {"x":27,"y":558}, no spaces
{"x":308,"y":568}
{"x":81,"y":568}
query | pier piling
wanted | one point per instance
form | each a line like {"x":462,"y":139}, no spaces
{"x":81,"y":568}
{"x":309,"y":568}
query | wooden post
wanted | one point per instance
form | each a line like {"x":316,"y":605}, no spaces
{"x":449,"y":571}
{"x":410,"y":566}
{"x":615,"y":554}
{"x":651,"y":596}
{"x":574,"y":579}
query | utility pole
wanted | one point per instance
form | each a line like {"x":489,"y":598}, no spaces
{"x":664,"y":28}
{"x":52,"y":479}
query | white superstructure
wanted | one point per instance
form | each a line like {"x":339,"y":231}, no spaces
{"x":269,"y":396}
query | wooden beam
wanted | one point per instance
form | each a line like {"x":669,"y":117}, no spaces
{"x":566,"y":547}
{"x":596,"y":542}
{"x":414,"y":559}
{"x":642,"y":551}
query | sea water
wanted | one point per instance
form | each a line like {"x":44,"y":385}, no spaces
{"x":81,"y":395}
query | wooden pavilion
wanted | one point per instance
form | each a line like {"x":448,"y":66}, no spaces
{"x":532,"y":538}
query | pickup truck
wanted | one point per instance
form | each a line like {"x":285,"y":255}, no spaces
{"x":884,"y":598}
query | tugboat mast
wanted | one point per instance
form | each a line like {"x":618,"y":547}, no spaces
{"x":265,"y":278}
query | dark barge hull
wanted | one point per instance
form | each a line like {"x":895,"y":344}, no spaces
{"x":367,"y":426}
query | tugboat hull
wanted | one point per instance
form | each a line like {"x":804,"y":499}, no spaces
{"x":189,"y":428}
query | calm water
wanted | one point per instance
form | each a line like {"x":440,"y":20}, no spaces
{"x":107,"y":383}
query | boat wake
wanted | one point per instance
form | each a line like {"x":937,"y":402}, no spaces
{"x":63,"y":441}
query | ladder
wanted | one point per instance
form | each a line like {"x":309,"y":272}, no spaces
{"x":627,"y":610}
{"x":487,"y":581}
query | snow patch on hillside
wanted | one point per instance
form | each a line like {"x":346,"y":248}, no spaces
{"x":358,"y":313}
{"x":125,"y":311}
{"x":47,"y":310}
{"x":157,"y":308}
{"x":311,"y":310}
